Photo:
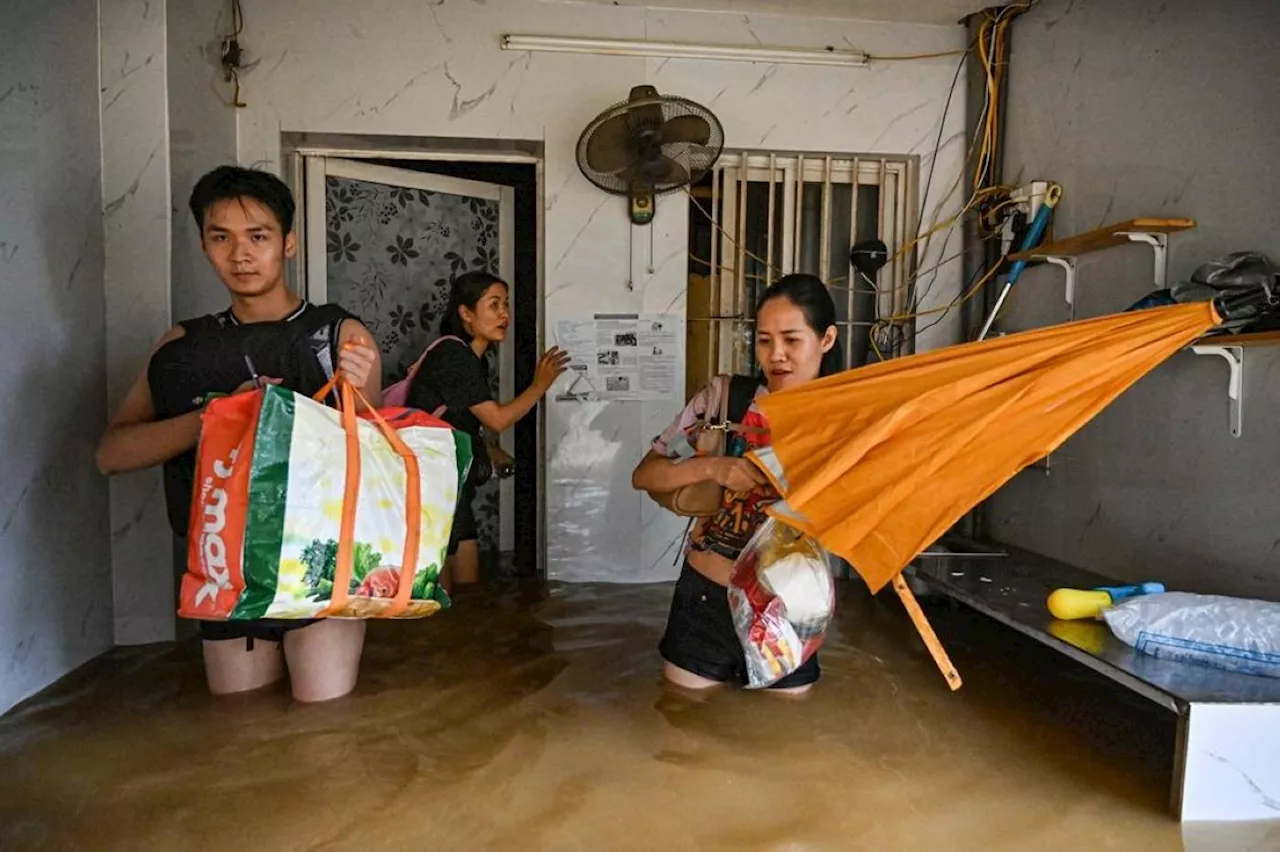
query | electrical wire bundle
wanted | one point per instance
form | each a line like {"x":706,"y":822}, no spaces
{"x":988,"y":200}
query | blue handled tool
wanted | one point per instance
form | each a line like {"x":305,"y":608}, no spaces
{"x":1070,"y":604}
{"x":1119,"y":593}
{"x":1030,"y":241}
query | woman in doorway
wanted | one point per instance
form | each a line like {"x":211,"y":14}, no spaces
{"x":454,"y":375}
{"x":795,"y":343}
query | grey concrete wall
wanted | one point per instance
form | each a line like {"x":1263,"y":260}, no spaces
{"x":1145,"y":108}
{"x":55,"y":568}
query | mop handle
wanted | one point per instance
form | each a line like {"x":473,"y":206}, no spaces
{"x":1034,"y":233}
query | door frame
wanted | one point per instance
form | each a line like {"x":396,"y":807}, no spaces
{"x":306,"y":186}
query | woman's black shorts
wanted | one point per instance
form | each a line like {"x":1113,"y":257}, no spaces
{"x":464,"y":517}
{"x":700,"y":637}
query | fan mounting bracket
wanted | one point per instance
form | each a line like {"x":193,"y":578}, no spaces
{"x":641,"y":205}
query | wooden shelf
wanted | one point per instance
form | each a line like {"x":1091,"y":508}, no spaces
{"x":1105,"y":237}
{"x":1256,"y":338}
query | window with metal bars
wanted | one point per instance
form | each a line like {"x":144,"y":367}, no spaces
{"x":759,"y":216}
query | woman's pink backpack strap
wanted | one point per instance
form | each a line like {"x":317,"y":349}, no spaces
{"x":396,"y":395}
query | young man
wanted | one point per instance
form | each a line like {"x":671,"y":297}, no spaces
{"x":268,"y":334}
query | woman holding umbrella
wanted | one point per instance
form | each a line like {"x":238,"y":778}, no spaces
{"x":795,"y":343}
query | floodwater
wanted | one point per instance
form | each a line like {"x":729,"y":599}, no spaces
{"x":533,"y":717}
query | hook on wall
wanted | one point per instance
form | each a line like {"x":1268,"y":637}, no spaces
{"x":233,"y":52}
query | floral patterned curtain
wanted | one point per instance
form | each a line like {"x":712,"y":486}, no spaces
{"x":392,"y":253}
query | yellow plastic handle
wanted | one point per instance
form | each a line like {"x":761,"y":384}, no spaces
{"x":1072,"y":604}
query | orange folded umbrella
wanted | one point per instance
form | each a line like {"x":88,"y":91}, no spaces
{"x":878,"y":462}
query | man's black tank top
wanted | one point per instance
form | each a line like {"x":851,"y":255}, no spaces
{"x":211,"y":358}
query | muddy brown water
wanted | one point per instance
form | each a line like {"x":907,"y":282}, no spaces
{"x":533,"y":716}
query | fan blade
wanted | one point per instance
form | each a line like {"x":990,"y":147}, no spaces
{"x":673,"y":172}
{"x":609,"y":146}
{"x":656,"y":172}
{"x":693,"y":129}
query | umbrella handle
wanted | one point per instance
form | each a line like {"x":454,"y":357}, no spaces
{"x":1244,"y":303}
{"x":925,"y":630}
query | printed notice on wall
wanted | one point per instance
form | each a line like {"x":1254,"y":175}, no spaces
{"x":621,"y":357}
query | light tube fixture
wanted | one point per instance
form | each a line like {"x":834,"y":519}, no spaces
{"x":685,"y":50}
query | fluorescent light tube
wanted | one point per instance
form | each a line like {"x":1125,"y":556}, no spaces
{"x":684,"y":50}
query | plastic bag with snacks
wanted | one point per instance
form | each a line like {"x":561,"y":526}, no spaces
{"x":782,"y":596}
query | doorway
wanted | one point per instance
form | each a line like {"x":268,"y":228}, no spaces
{"x":385,"y":237}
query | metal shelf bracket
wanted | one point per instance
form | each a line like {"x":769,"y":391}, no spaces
{"x":1068,"y":266}
{"x":1234,"y":356}
{"x":1160,"y":246}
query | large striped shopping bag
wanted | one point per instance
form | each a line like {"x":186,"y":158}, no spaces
{"x":303,"y":511}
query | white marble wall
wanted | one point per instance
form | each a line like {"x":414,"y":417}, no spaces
{"x":136,"y":216}
{"x":1232,"y":764}
{"x":202,"y":135}
{"x":435,"y":69}
{"x":55,"y":576}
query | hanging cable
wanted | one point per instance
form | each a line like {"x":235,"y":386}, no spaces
{"x":990,"y":48}
{"x":233,"y":54}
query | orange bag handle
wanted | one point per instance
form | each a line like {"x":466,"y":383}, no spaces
{"x":350,"y":492}
{"x":319,"y":395}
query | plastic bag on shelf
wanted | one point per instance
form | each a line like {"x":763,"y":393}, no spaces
{"x":782,"y":596}
{"x":1235,"y":634}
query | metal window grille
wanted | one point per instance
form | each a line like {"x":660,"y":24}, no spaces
{"x":772,"y":214}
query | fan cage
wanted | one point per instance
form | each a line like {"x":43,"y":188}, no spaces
{"x":697,"y":160}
